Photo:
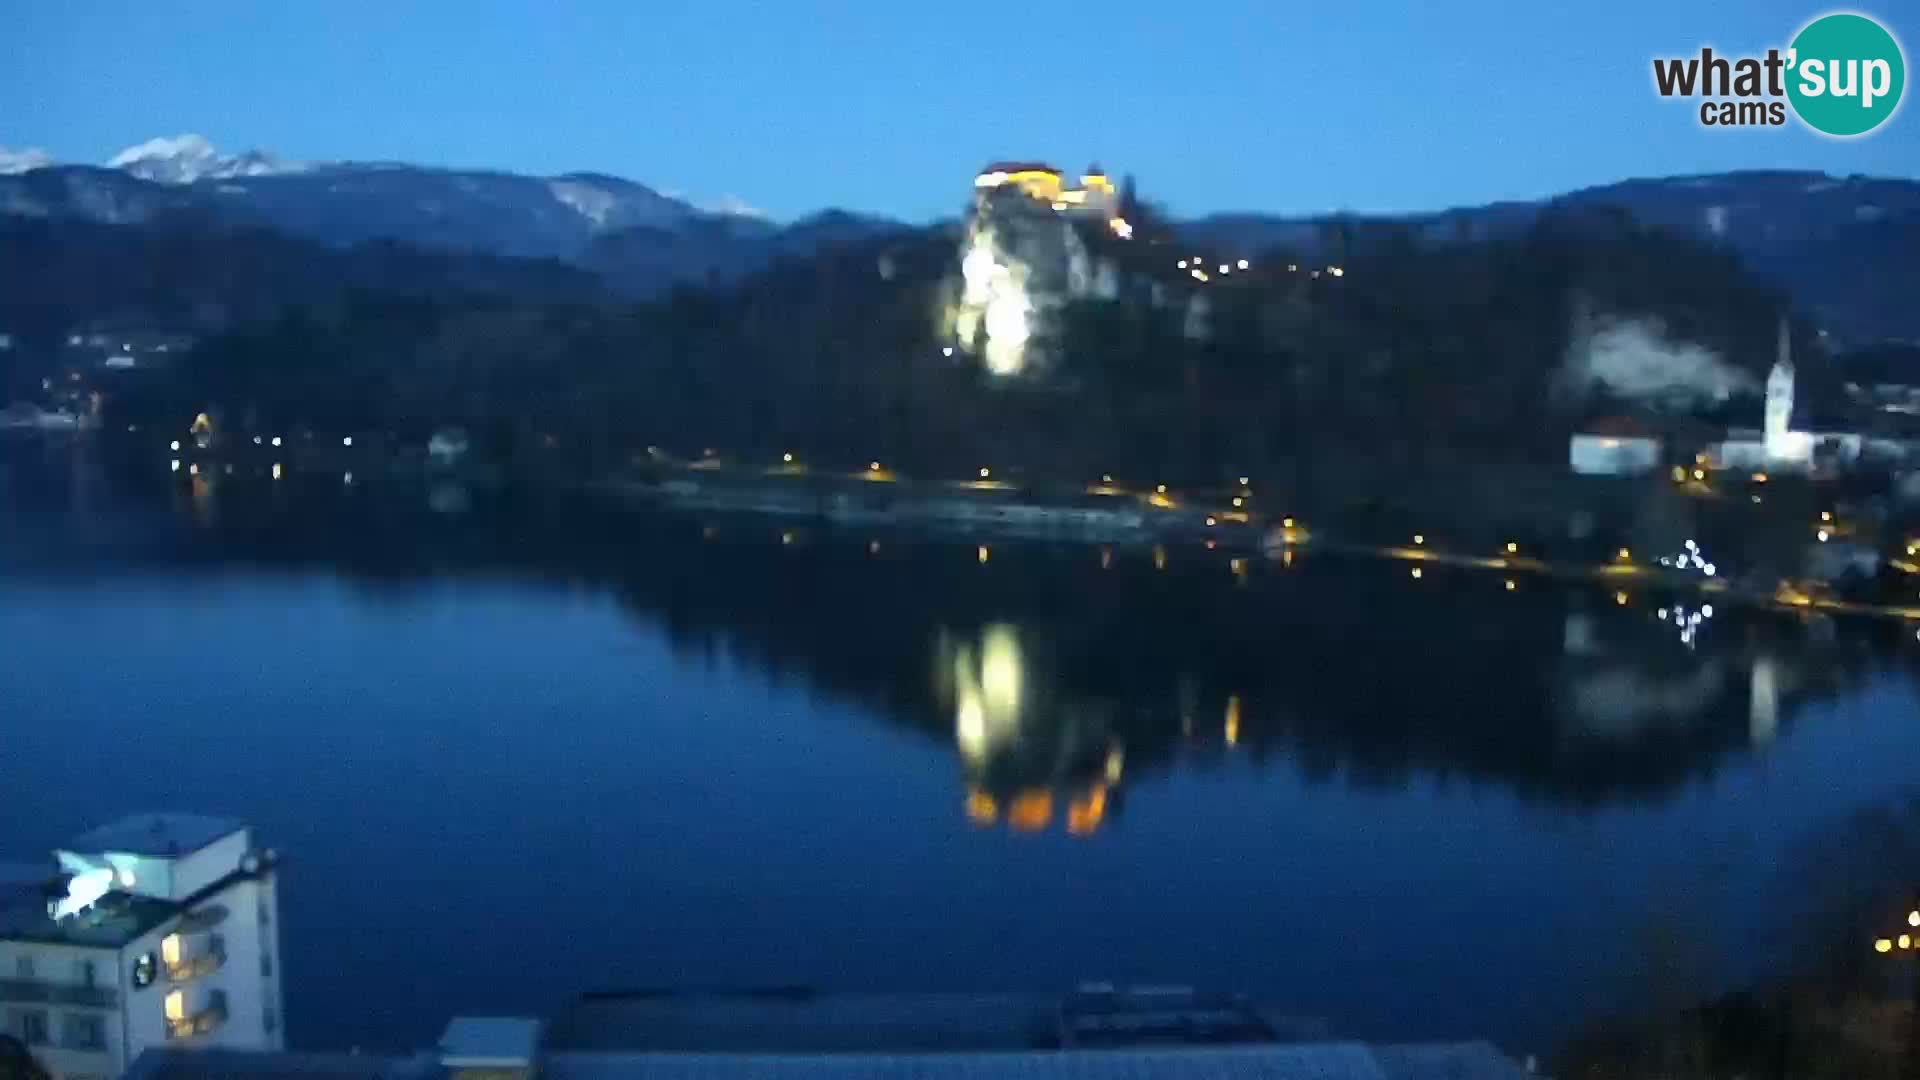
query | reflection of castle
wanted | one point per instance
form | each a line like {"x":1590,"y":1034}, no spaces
{"x":1019,"y":747}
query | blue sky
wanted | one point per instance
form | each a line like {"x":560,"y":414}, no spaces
{"x":1278,"y":105}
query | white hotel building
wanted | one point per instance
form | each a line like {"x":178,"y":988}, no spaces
{"x":157,"y":930}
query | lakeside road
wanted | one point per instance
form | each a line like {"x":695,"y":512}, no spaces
{"x":1159,"y":520}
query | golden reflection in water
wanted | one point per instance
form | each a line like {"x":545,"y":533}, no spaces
{"x":981,"y":807}
{"x":1159,"y":557}
{"x":1085,"y":814}
{"x":203,"y":505}
{"x":1233,"y":719}
{"x":1030,"y":810}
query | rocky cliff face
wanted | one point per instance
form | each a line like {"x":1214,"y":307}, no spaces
{"x":1020,"y":263}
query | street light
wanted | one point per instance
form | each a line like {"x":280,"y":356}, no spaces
{"x":985,"y":472}
{"x":1905,"y":943}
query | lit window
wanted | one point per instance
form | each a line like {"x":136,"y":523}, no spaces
{"x":177,"y":1005}
{"x":170,"y":949}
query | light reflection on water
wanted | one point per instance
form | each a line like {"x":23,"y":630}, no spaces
{"x":1375,"y":800}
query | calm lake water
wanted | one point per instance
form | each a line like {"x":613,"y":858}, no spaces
{"x":529,"y":750}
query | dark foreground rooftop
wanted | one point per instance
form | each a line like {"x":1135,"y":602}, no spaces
{"x":1298,"y":1061}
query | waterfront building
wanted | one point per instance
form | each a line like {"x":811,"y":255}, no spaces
{"x":1614,"y":446}
{"x":158,"y":930}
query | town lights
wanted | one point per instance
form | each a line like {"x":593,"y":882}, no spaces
{"x":1513,"y":548}
{"x":276,"y":440}
{"x":1242,"y":264}
{"x":985,"y":472}
{"x":174,"y":445}
{"x":786,"y":458}
{"x":1419,"y":539}
{"x":1625,"y":555}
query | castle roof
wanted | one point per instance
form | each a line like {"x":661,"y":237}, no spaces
{"x":1019,"y":167}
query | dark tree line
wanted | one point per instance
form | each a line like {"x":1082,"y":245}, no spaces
{"x":1415,"y":350}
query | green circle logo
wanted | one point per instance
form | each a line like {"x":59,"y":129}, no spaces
{"x":1846,"y":74}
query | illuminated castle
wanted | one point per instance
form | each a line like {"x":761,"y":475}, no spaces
{"x":1022,"y":258}
{"x":1095,"y":197}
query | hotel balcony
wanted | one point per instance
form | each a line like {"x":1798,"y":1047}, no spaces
{"x":41,"y":991}
{"x":191,"y":956}
{"x":194,"y":1014}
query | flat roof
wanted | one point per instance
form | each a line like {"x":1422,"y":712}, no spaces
{"x":497,"y":1041}
{"x":115,"y":920}
{"x":1298,"y":1061}
{"x":160,"y":835}
{"x":164,"y":1063}
{"x":1286,"y":1061}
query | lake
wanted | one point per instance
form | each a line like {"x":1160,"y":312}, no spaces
{"x":532,"y":748}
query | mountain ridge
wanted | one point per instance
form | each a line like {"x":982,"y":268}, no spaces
{"x":1843,"y":245}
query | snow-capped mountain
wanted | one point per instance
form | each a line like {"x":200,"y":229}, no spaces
{"x":187,"y":159}
{"x":638,"y":239}
{"x":14,"y":162}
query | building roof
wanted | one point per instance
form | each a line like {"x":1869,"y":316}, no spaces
{"x":490,"y":1042}
{"x":115,"y":920}
{"x":163,"y":1063}
{"x":1296,"y":1061}
{"x":159,"y":835}
{"x":1286,"y":1061}
{"x":1019,"y":166}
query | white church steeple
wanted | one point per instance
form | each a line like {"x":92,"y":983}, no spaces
{"x":1784,"y":446}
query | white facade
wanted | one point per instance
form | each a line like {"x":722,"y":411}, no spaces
{"x":1795,"y":451}
{"x":182,"y":951}
{"x":1612,"y":455}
